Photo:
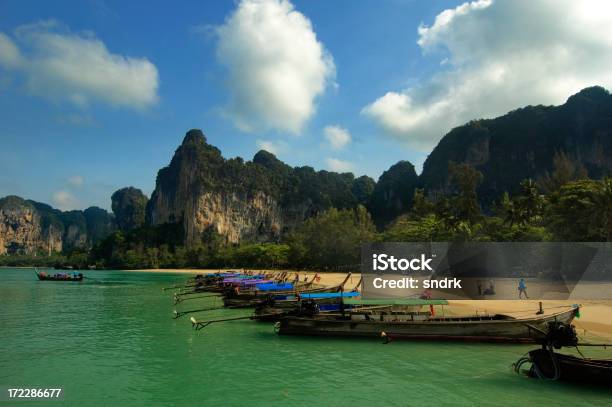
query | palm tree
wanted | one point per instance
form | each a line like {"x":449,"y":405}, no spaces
{"x":529,"y":204}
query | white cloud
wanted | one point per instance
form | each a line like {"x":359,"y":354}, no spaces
{"x":497,"y":56}
{"x":10,"y":56}
{"x":337,"y":137}
{"x":64,"y":200}
{"x":277,"y":67}
{"x":75,"y":181}
{"x":61,"y":65}
{"x":334,"y":164}
{"x":274,"y":147}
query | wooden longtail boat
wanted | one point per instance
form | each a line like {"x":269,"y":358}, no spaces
{"x":422,"y":325}
{"x":549,"y":365}
{"x":273,"y":310}
{"x":42,"y":276}
{"x":221,"y":284}
{"x":254,"y":297}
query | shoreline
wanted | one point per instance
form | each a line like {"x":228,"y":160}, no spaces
{"x":594,"y":322}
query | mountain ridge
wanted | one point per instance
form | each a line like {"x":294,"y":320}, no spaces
{"x":263,"y":199}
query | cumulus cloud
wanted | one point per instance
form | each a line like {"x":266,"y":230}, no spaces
{"x":64,"y":200}
{"x":274,"y":147}
{"x":61,"y":65}
{"x":75,"y":181}
{"x":276,"y":65}
{"x":497,"y":56}
{"x":334,"y":164}
{"x":10,"y":57}
{"x":337,"y":137}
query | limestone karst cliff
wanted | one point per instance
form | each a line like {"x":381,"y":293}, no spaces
{"x":28,"y":227}
{"x":263,"y":199}
{"x":257,"y":200}
{"x":523,"y":143}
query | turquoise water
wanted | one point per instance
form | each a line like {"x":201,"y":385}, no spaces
{"x":114,"y":342}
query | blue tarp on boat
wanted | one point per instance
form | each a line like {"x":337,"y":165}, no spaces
{"x":274,"y":286}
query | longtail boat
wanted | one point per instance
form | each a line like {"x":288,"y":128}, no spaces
{"x":557,"y":366}
{"x":398,"y":322}
{"x":254,"y":297}
{"x":274,"y":309}
{"x":43,"y":276}
{"x":547,"y":364}
{"x":221,"y":283}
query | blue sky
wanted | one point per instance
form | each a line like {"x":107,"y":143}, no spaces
{"x":97,"y":95}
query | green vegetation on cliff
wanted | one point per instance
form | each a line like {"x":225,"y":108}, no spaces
{"x":524,"y":143}
{"x":129,"y":206}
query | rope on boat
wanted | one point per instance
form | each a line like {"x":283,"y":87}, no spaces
{"x":535,"y":369}
{"x":519,"y":363}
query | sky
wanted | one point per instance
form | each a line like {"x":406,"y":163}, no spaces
{"x":97,"y":95}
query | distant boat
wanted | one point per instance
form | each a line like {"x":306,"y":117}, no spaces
{"x":43,"y":276}
{"x":394,"y":323}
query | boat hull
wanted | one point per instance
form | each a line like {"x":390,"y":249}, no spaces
{"x":571,"y":368}
{"x":247,"y":300}
{"x":51,"y":278}
{"x":528,"y":330}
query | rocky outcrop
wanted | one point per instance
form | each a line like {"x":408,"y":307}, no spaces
{"x":29,"y":227}
{"x":22,"y":230}
{"x":129,"y":206}
{"x":523,"y":143}
{"x":258,"y":200}
{"x":393,"y":193}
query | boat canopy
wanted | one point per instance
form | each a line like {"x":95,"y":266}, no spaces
{"x":405,"y":301}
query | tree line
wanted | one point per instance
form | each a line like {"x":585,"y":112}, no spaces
{"x":562,"y":206}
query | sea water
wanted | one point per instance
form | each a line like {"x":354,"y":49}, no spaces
{"x":111,"y":341}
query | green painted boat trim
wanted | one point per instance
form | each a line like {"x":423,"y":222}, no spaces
{"x":411,"y":301}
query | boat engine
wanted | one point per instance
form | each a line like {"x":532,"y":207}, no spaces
{"x":560,"y":334}
{"x":308,"y":308}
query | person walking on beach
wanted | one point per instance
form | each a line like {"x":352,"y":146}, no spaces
{"x":522,"y":288}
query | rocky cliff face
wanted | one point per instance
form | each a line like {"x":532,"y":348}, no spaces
{"x":241,"y":201}
{"x":21,"y":229}
{"x":522,"y":144}
{"x":28,"y":227}
{"x":393,"y":193}
{"x":129,"y":206}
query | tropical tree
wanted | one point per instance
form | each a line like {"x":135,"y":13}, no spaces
{"x":464,"y":180}
{"x":565,"y":169}
{"x":581,"y":211}
{"x":332,"y":239}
